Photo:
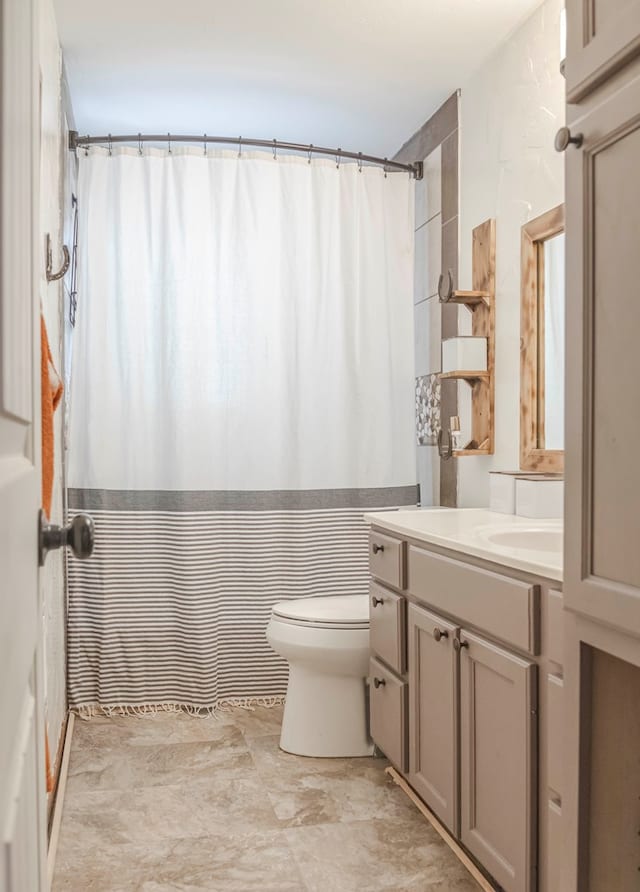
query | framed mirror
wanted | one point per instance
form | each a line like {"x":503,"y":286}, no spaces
{"x":542,"y":316}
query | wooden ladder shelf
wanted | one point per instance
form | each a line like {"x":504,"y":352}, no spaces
{"x":481,"y":303}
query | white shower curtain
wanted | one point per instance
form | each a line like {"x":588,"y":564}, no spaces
{"x":242,"y":388}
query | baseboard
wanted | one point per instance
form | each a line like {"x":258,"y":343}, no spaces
{"x":58,"y":804}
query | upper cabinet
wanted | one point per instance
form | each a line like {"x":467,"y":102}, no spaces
{"x":602,"y":36}
{"x":602,"y":559}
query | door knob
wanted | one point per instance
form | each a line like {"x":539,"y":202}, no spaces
{"x":564,"y":139}
{"x":458,"y":645}
{"x":379,"y":682}
{"x":375,"y":601}
{"x":438,"y":634}
{"x":78,"y":536}
{"x":376,"y":548}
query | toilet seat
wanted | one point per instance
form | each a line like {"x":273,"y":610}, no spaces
{"x":334,"y":612}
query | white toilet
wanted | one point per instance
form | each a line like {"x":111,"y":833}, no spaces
{"x":326,"y":643}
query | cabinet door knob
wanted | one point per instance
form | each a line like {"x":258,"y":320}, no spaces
{"x":379,"y":682}
{"x":564,"y":139}
{"x":458,"y":645}
{"x":375,"y":601}
{"x":376,"y":548}
{"x":438,"y":634}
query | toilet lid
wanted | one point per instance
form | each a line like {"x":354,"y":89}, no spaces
{"x":346,"y":610}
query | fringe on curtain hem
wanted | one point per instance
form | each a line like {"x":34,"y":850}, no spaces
{"x":215,"y":710}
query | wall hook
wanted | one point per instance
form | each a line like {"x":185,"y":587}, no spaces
{"x":51,"y":276}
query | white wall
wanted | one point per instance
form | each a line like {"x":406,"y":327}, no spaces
{"x":510,"y":111}
{"x":52,"y":576}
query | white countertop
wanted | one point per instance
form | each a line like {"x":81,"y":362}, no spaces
{"x":528,"y":544}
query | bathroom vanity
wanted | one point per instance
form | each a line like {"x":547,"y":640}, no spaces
{"x":467,"y":679}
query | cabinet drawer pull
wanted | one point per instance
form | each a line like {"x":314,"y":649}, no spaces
{"x":458,"y":645}
{"x":379,"y":682}
{"x":438,"y":634}
{"x":375,"y":601}
{"x":376,"y":548}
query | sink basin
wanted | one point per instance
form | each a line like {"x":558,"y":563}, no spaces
{"x":534,"y":539}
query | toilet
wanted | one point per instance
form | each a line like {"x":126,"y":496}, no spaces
{"x":325,"y":640}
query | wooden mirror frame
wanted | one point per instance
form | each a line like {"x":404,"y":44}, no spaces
{"x":533,"y":236}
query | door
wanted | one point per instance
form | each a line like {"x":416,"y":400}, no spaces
{"x":22,"y":796}
{"x":498,"y":733}
{"x":602,"y":36}
{"x":602,"y":558}
{"x":433,"y":730}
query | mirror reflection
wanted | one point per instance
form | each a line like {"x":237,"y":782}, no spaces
{"x":551,"y":344}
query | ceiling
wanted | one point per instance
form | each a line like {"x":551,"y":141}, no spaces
{"x":360,"y":74}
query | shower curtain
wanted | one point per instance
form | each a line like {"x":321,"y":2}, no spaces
{"x":241,"y":391}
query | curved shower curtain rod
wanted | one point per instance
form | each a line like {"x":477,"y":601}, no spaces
{"x":76,"y":141}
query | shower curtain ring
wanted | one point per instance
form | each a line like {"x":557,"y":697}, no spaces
{"x":310,"y":151}
{"x":110,"y":146}
{"x":204,"y":145}
{"x":86,"y":147}
{"x":139,"y":144}
{"x":359,"y":162}
{"x":169,"y":142}
{"x":385,"y":168}
{"x":239,"y":147}
{"x":338,"y":159}
{"x":275,"y":150}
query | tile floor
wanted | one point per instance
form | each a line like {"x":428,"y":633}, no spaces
{"x":174,"y":802}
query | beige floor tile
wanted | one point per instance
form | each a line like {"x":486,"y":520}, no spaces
{"x":257,"y":722}
{"x":227,"y":803}
{"x":317,"y":791}
{"x":377,"y":855}
{"x":145,"y":730}
{"x":125,"y":767}
{"x":225,"y":864}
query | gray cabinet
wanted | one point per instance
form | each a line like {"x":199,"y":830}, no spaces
{"x":602,"y":559}
{"x":433,"y":710}
{"x":600,"y":777}
{"x":498,"y":733}
{"x":388,"y":701}
{"x":387,"y":630}
{"x":603,"y":35}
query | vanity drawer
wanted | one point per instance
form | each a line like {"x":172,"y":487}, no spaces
{"x":388,"y":709}
{"x":387,"y":626}
{"x":505,"y":608}
{"x":386,"y":558}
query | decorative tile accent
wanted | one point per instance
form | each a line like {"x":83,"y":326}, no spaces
{"x":427,"y":409}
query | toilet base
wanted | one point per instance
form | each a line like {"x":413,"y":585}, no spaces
{"x":325,"y":715}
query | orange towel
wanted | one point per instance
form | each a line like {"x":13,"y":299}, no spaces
{"x":51,"y":396}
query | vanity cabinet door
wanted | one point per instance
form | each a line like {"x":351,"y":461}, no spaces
{"x":602,"y":36}
{"x":498,"y":732}
{"x":388,"y":705}
{"x":602,"y":558}
{"x":433,"y":732}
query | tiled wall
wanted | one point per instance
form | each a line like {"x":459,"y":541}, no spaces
{"x":436,"y":249}
{"x":510,"y":171}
